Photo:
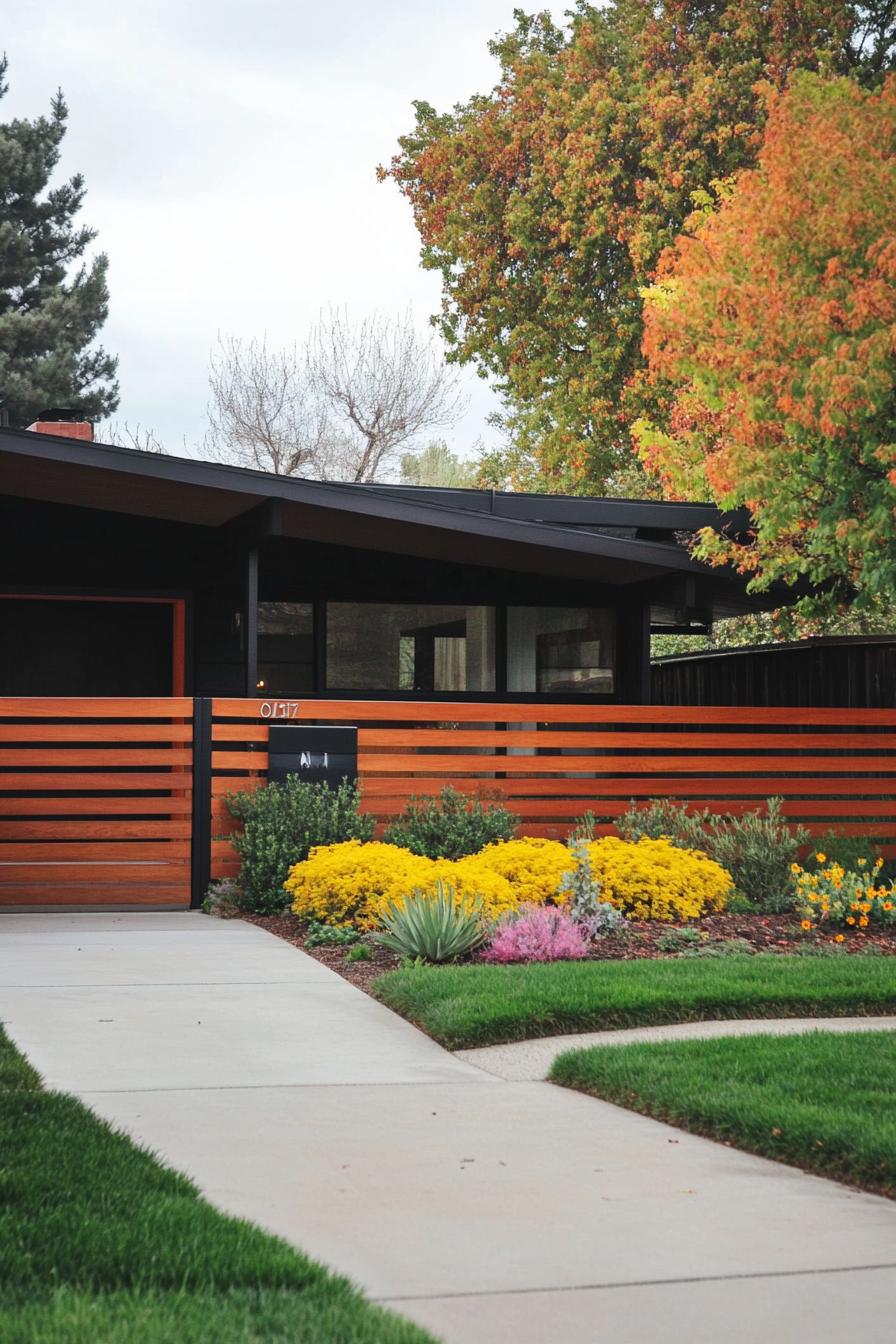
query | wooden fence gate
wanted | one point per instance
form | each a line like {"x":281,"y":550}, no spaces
{"x":96,"y":802}
{"x":123,"y":802}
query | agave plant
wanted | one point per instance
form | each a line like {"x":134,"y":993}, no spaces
{"x":432,"y":925}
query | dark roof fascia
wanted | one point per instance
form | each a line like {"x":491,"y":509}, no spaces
{"x":353,"y":499}
{"x":588,"y":510}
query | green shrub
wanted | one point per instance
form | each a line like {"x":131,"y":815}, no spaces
{"x":679,"y":940}
{"x":223,"y":898}
{"x":432,"y":927}
{"x":757,"y":848}
{"x":329,"y":935}
{"x":281,"y":822}
{"x":360,"y":953}
{"x":846,"y":850}
{"x":723,"y":947}
{"x":450,"y":826}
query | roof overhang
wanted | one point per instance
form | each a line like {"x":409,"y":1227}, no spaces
{"x":529,"y":534}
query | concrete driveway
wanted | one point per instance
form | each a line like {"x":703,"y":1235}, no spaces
{"x":488,"y":1210}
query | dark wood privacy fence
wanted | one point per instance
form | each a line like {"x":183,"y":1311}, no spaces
{"x":122,"y":802}
{"x":552,"y":763}
{"x":852,"y":671}
{"x":95,"y":802}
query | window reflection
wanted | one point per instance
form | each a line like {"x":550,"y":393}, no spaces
{"x":561,"y":650}
{"x":410,"y":647}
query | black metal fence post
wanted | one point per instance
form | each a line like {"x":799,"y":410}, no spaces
{"x":201,"y":853}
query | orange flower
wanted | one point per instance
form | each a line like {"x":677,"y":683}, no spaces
{"x":841,"y":937}
{"x":850,"y":919}
{"x":863,"y":922}
{"x":806,"y":924}
{"x":888,"y":905}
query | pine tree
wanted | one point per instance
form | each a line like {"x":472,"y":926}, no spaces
{"x":53,"y":301}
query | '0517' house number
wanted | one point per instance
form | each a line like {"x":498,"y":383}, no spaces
{"x":279,"y":709}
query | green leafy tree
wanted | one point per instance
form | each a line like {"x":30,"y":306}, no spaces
{"x":545,"y":204}
{"x":53,"y":300}
{"x":436,"y":465}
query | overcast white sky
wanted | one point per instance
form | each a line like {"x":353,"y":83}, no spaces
{"x":229,"y":151}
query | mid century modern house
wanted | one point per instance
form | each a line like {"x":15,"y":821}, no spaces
{"x":158,"y":613}
{"x":128,"y":573}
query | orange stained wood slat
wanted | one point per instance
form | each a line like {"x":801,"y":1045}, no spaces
{"x":620,"y":765}
{"x":588,"y":739}
{"x":173,"y":894}
{"x":382,"y":711}
{"x":93,"y":851}
{"x":489,"y":736}
{"x":107,"y":707}
{"x":153,"y":731}
{"x":105,"y":806}
{"x":93,"y":870}
{"x":82,"y":781}
{"x":633,"y":786}
{"x":100,"y":756}
{"x":87,"y":829}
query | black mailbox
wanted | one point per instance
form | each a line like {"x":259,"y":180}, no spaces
{"x":318,"y":755}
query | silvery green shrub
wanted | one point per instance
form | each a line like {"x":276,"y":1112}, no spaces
{"x":586,"y":908}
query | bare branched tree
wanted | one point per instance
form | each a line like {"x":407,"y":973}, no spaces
{"x":122,"y":436}
{"x":263,"y":411}
{"x":384,"y":384}
{"x":341,"y":410}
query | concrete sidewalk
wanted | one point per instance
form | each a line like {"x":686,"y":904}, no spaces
{"x":490,"y":1211}
{"x":530,"y":1061}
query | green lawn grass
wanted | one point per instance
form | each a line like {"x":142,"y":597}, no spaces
{"x":818,"y":1100}
{"x":99,"y":1243}
{"x":465,"y":1006}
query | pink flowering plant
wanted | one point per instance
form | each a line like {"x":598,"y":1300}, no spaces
{"x":536,"y":933}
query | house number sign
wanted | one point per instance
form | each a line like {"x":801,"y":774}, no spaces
{"x":279,"y":709}
{"x":318,"y":753}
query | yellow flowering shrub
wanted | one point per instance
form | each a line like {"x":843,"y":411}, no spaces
{"x":653,"y":879}
{"x":839,"y":895}
{"x":355,"y":883}
{"x":533,"y":867}
{"x":348,"y":882}
{"x":472,"y":878}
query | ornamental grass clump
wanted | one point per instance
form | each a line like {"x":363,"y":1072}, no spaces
{"x":536,"y":933}
{"x":654,"y":879}
{"x":433,"y":926}
{"x":855,"y":898}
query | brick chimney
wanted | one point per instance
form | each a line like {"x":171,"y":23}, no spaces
{"x":64,"y":423}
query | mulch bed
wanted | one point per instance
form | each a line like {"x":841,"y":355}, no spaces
{"x":764,"y":933}
{"x":638,"y":941}
{"x":360,"y":973}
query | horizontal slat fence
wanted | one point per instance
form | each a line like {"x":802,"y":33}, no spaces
{"x":95,"y":802}
{"x":553,"y":763}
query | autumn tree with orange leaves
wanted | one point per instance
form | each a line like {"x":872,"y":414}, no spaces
{"x":773,"y":319}
{"x":545,"y":204}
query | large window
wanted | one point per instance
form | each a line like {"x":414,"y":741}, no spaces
{"x":406,"y":647}
{"x":558,"y":650}
{"x":285,"y":648}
